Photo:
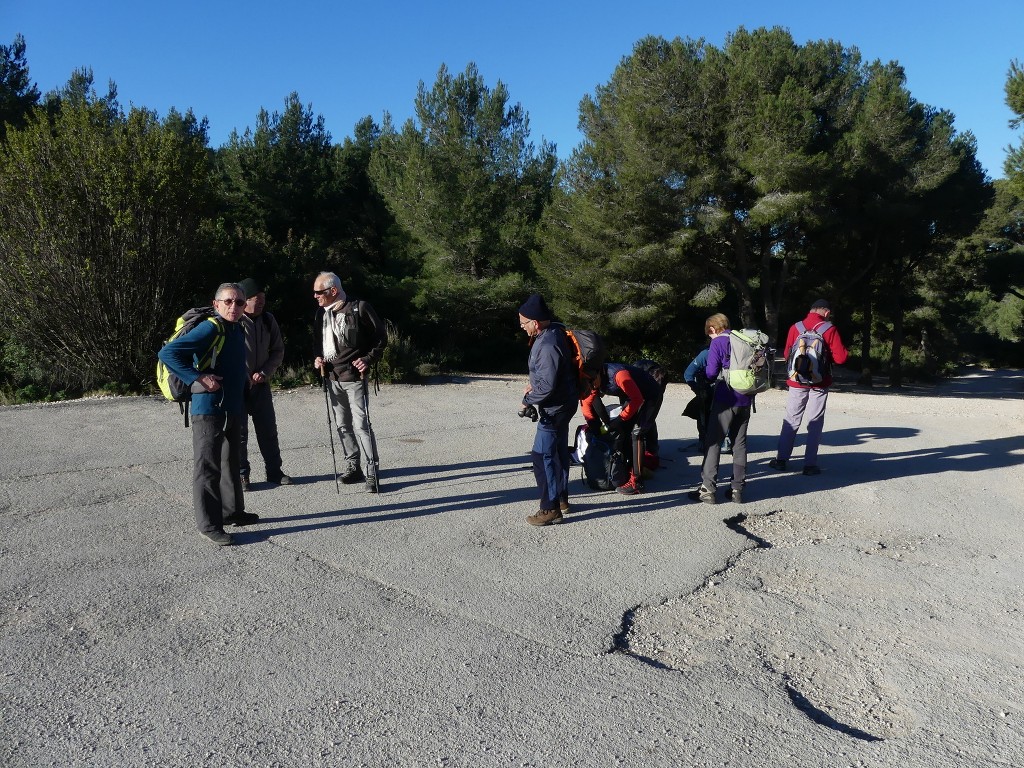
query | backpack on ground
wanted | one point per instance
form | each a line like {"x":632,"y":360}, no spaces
{"x":590,"y":356}
{"x":173,"y":388}
{"x":604,"y":468}
{"x":750,"y":362}
{"x":810,"y":359}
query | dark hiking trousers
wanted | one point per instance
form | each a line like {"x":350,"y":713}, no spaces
{"x":259,"y":403}
{"x":216,"y":482}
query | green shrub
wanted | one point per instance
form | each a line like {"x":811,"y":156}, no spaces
{"x":401,"y":358}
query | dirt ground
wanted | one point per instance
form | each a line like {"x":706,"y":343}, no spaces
{"x":867,"y":616}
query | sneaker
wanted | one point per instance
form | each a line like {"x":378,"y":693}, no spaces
{"x":630,"y":488}
{"x":242,"y":518}
{"x":353,"y":476}
{"x":779,"y":464}
{"x":734,"y":495}
{"x":703,"y":494}
{"x":372,"y":486}
{"x":245,"y":482}
{"x":280,"y":480}
{"x":218,"y":537}
{"x":812,"y":470}
{"x":545,"y":517}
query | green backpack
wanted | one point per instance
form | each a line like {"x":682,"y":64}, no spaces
{"x":172,"y":387}
{"x":750,"y":362}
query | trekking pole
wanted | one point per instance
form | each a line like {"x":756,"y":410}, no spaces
{"x":373,"y":439}
{"x":330,"y":429}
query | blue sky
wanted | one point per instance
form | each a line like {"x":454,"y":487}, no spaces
{"x":226,"y":60}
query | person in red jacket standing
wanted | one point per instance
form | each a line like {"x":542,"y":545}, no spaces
{"x":808,"y":399}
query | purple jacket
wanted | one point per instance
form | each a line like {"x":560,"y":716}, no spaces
{"x":718,"y":358}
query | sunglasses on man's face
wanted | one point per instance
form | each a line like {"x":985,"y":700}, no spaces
{"x":321,"y":292}
{"x":229,"y":302}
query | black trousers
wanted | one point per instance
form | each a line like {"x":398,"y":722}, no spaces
{"x":216,"y":481}
{"x":259,"y":403}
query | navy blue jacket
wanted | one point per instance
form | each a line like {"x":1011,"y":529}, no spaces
{"x":552,"y":373}
{"x":180,"y":357}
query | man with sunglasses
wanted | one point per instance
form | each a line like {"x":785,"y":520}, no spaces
{"x":350,"y":338}
{"x":218,"y":411}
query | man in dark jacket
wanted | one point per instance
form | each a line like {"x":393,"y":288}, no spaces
{"x":218,"y":410}
{"x":808,"y":399}
{"x":552,"y":392}
{"x":264,"y":351}
{"x":350,"y":338}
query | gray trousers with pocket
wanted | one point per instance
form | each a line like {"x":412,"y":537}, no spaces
{"x":352,"y":417}
{"x":732,"y":421}
{"x":803,"y":402}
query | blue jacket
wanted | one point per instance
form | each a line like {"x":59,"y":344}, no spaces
{"x":553,"y":387}
{"x":694,"y":373}
{"x":180,"y":357}
{"x":718,"y":359}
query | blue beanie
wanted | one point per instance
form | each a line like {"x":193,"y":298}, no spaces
{"x":534,"y":308}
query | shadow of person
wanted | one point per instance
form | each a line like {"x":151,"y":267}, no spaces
{"x":398,"y":510}
{"x":861,"y":468}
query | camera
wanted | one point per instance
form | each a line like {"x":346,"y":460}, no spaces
{"x":529,"y":412}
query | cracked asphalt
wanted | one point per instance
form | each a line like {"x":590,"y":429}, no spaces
{"x":869,"y":616}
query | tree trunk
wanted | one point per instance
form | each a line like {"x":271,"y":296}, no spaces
{"x":895,"y":366}
{"x":866,"y":379}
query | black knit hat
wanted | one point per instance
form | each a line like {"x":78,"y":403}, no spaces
{"x":821,"y":304}
{"x":534,"y":308}
{"x":251,"y":287}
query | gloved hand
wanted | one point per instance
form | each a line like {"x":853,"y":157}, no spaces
{"x":529,"y":412}
{"x":617,"y":426}
{"x":594,"y":426}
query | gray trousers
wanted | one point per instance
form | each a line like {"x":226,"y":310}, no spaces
{"x":216,"y":483}
{"x":259,"y":403}
{"x":803,"y":402}
{"x":349,"y":402}
{"x":732,"y":421}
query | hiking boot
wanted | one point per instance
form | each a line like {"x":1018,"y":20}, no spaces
{"x":242,"y":518}
{"x":812,"y":469}
{"x":245,"y":482}
{"x":545,"y":517}
{"x":734,"y":495}
{"x":703,"y":494}
{"x":372,"y":486}
{"x":280,"y":480}
{"x":353,"y":476}
{"x":219,"y":538}
{"x":779,"y":464}
{"x":563,"y":507}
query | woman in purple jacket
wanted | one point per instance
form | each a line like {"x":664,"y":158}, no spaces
{"x":730,"y":415}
